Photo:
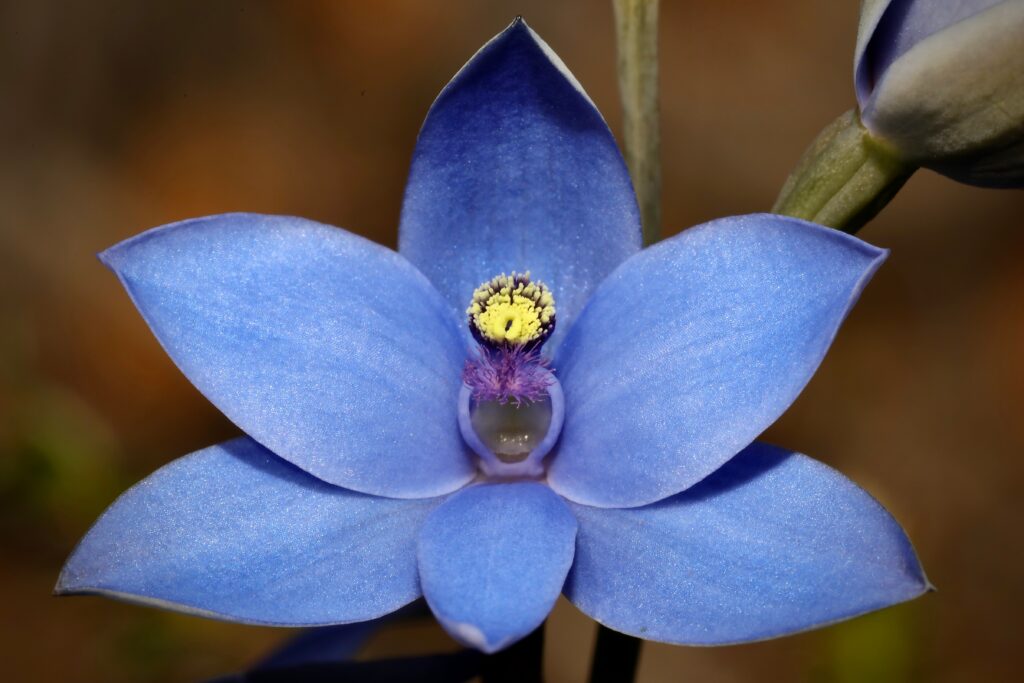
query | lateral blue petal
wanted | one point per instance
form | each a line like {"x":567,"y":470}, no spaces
{"x":772,"y":543}
{"x":693,"y":347}
{"x":515,"y":169}
{"x":234,"y":532}
{"x":493,"y":559}
{"x":330,"y":350}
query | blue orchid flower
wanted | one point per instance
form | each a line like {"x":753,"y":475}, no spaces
{"x":629,"y":477}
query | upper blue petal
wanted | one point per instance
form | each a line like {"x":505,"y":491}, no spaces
{"x":899,"y":26}
{"x":493,"y":559}
{"x":772,"y":543}
{"x":235,"y":532}
{"x":515,"y":169}
{"x":330,"y":350}
{"x":693,"y":347}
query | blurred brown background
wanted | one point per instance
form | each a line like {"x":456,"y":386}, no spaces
{"x":118,"y":115}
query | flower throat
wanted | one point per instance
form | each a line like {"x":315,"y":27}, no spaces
{"x":511,"y":407}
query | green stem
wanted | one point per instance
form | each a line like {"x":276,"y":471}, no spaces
{"x":636,"y":24}
{"x":844,"y":178}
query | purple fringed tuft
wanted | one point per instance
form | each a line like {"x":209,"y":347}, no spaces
{"x":508,"y":374}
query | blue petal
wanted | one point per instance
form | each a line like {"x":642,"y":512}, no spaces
{"x":234,"y":532}
{"x":516,"y":170}
{"x":898,"y":25}
{"x":330,"y":350}
{"x":772,"y":543}
{"x":493,"y":559}
{"x":692,"y":348}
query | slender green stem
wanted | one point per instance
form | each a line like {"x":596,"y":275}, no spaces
{"x":844,"y":178}
{"x":636,"y":23}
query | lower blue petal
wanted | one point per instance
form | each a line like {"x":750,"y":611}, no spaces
{"x":772,"y":543}
{"x":493,"y":559}
{"x":234,"y":532}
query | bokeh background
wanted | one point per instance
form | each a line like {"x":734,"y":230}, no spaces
{"x":118,"y":115}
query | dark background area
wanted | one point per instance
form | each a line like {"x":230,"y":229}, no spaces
{"x":116,"y":116}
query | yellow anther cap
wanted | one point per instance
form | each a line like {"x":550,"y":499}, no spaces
{"x":512,"y":311}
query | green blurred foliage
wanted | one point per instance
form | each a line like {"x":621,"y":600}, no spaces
{"x":57,"y":466}
{"x":883,"y":647}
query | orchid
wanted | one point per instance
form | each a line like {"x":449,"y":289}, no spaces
{"x":583,"y":422}
{"x":940,"y":83}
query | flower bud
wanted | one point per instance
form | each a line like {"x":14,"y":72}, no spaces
{"x":942,"y":83}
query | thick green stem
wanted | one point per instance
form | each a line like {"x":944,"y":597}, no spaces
{"x":636,"y":24}
{"x":844,"y":178}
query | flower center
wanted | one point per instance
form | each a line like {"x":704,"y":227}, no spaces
{"x":510,"y":407}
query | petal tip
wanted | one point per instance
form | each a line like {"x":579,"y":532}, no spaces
{"x":472,"y":636}
{"x":876,"y":255}
{"x":518,"y":26}
{"x":60,"y":588}
{"x":873,"y":256}
{"x":64,"y":591}
{"x":916,"y":572}
{"x":520,"y":29}
{"x":112,"y":257}
{"x":69,"y":586}
{"x":65,"y":584}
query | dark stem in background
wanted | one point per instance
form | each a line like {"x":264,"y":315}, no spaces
{"x":456,"y":667}
{"x":616,"y":656}
{"x":520,"y":663}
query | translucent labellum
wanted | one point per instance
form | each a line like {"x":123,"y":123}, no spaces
{"x":512,"y":439}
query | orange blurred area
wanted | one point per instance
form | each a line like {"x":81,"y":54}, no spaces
{"x":118,"y":116}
